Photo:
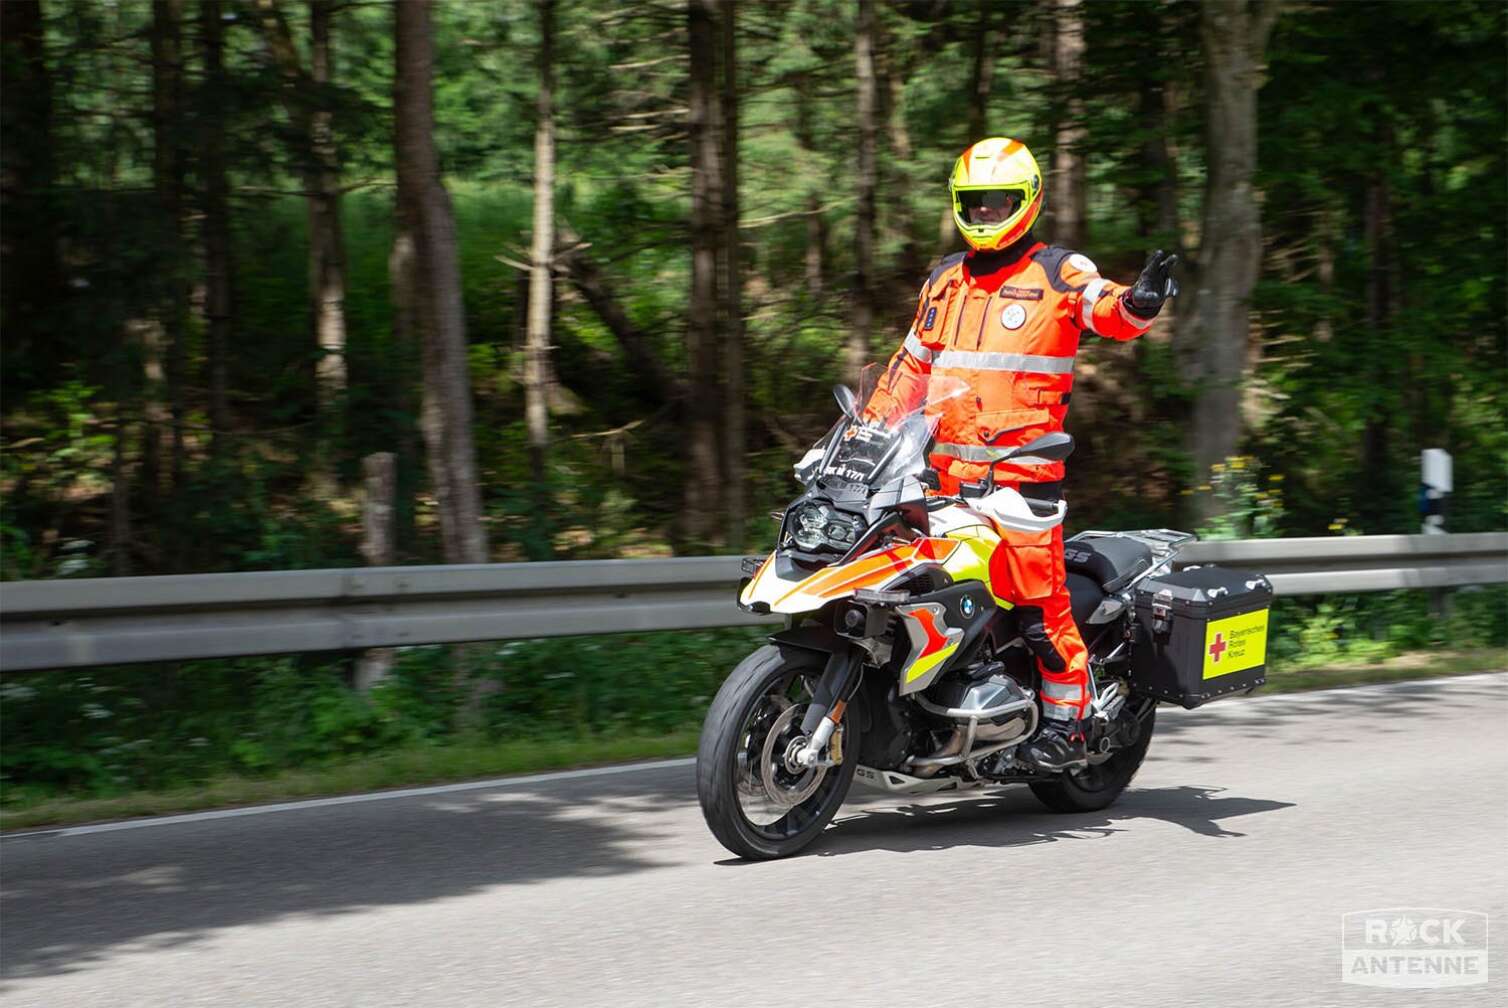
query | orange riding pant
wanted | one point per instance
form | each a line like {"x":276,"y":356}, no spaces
{"x":1026,"y":570}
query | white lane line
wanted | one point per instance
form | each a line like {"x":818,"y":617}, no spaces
{"x":1314,"y":696}
{"x":419,"y":792}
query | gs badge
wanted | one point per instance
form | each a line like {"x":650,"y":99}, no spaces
{"x":1014,"y":316}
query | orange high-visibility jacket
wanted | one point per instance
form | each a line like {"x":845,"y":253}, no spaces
{"x":1011,"y":334}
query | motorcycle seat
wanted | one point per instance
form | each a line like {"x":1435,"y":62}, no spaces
{"x":1084,"y":598}
{"x":1109,"y":561}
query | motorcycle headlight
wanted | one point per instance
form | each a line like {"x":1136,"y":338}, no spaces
{"x":809,"y":525}
{"x":817,"y":525}
{"x":843,"y":532}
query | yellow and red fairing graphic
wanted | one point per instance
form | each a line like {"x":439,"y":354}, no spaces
{"x":877,"y":569}
{"x":933,"y":642}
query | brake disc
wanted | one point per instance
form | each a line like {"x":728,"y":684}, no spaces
{"x":781,"y":785}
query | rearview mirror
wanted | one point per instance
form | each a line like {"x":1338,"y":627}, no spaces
{"x":847,"y":401}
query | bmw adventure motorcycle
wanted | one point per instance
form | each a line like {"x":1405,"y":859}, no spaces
{"x":898,"y":667}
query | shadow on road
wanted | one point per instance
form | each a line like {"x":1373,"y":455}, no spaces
{"x":68,"y":902}
{"x":1014,"y":818}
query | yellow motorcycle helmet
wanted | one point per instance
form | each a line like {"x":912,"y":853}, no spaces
{"x":1002,"y":174}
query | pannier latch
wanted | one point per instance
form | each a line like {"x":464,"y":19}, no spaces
{"x":1162,"y":613}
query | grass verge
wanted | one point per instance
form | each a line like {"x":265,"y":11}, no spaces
{"x":409,"y":767}
{"x":1413,"y":665}
{"x":422,"y":765}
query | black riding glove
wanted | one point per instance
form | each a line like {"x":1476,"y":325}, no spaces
{"x":1154,"y":286}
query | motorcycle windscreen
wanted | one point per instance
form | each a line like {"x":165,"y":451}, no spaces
{"x":890,"y":437}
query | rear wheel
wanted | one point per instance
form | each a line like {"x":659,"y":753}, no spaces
{"x":756,"y":802}
{"x":1098,"y":785}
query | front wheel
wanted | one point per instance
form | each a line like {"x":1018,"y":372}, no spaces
{"x":756,"y":804}
{"x":1098,"y":785}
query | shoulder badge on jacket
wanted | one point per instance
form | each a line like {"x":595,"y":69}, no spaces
{"x":1050,"y":258}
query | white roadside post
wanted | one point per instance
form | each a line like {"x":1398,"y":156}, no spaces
{"x":1435,"y":486}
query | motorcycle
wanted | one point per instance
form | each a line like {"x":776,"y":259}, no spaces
{"x":901,"y":670}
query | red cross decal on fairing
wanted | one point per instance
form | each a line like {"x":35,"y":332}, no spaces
{"x":1218,"y":648}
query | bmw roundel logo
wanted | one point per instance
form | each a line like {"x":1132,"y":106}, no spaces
{"x":967,"y":605}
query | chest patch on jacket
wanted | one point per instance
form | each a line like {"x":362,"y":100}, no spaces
{"x":1022,"y":293}
{"x":1014,"y":316}
{"x":930,"y":320}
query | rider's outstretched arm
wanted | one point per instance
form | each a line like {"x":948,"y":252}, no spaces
{"x":1114,"y":310}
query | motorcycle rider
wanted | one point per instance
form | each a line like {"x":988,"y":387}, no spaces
{"x":1006,"y":317}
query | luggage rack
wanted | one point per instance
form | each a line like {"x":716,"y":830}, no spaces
{"x":1164,"y":544}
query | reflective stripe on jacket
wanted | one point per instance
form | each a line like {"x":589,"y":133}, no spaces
{"x":1011,"y":334}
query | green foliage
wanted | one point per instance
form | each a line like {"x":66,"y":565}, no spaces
{"x":65,"y":449}
{"x":1380,"y":325}
{"x":1250,"y":506}
{"x":1410,"y":96}
{"x":114,"y":731}
{"x":1314,"y":633}
{"x":1380,"y":336}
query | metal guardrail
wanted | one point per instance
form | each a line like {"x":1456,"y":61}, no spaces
{"x":109,"y":621}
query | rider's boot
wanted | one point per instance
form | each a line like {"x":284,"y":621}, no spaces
{"x":1060,"y":745}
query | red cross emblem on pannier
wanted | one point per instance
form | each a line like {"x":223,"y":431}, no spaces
{"x":1218,"y":648}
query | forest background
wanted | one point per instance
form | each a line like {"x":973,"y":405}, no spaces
{"x":567,"y":281}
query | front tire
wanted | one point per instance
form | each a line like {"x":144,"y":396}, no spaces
{"x":1098,"y":785}
{"x":753,"y":803}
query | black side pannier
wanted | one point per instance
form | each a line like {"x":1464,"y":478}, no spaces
{"x":1202,"y":634}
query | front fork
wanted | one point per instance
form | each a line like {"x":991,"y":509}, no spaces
{"x":840,"y":680}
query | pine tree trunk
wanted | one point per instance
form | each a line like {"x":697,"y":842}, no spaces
{"x":306,"y":102}
{"x":857,"y":351}
{"x":400,"y":270}
{"x":816,"y":221}
{"x":120,"y":485}
{"x":168,"y":178}
{"x":1375,"y":509}
{"x":703,"y":486}
{"x":160,"y":337}
{"x":1158,"y":202}
{"x":537,"y":371}
{"x":900,"y":217}
{"x":30,"y":275}
{"x":218,"y":266}
{"x":327,"y":266}
{"x":734,"y":448}
{"x":1069,"y":190}
{"x":426,"y":223}
{"x":1216,"y":335}
{"x":983,"y":74}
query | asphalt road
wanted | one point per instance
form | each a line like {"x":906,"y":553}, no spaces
{"x":1219,"y":879}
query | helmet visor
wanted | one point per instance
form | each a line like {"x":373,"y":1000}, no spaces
{"x":988,"y":205}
